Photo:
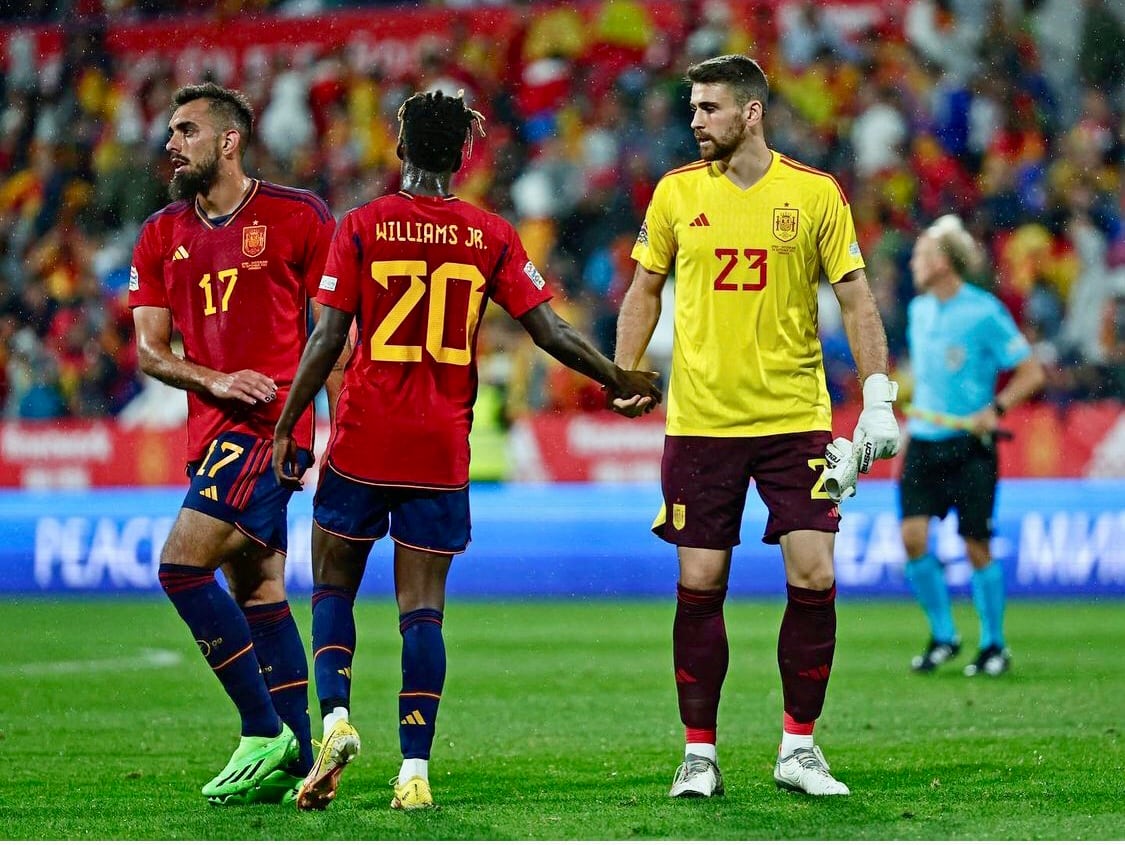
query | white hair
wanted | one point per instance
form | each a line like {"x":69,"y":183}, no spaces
{"x":960,"y":247}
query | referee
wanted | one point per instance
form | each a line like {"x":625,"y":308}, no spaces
{"x":961,"y":338}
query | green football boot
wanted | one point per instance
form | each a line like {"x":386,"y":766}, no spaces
{"x":278,"y":787}
{"x":254,"y":759}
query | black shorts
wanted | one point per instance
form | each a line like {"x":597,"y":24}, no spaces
{"x":958,"y":474}
{"x":705,"y":480}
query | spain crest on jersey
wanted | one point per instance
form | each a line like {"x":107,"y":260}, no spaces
{"x":679,"y":516}
{"x":253,"y":241}
{"x":785,"y":223}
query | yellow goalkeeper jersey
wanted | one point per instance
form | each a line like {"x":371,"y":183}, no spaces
{"x":746,"y":357}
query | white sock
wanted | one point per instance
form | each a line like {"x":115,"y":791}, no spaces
{"x":791,"y":742}
{"x":702,"y":749}
{"x":414,"y":768}
{"x":335,"y":716}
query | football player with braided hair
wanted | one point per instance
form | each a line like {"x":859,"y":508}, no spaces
{"x":416,"y":269}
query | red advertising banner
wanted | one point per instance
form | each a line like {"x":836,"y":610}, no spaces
{"x":234,"y":48}
{"x":79,"y":455}
{"x":1085,"y":440}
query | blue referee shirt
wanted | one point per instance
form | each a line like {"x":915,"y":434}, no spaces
{"x":957,"y":349}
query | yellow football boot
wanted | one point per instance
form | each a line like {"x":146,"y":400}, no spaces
{"x":340,"y":747}
{"x":413,"y":795}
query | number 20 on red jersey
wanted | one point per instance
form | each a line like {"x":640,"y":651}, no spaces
{"x":435,"y":299}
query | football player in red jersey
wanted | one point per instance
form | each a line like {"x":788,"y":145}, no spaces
{"x":416,"y":269}
{"x":233,"y":264}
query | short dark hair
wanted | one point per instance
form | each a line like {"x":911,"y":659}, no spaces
{"x":741,"y":73}
{"x":435,"y":128}
{"x":231,"y":107}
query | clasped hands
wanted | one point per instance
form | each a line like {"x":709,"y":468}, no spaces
{"x":876,"y":434}
{"x":635,"y":393}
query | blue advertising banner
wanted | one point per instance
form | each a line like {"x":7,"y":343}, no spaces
{"x":1054,"y":538}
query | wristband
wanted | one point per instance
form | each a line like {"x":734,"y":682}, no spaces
{"x":878,"y":388}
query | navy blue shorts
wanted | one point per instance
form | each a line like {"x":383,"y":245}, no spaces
{"x":235,"y":483}
{"x":429,"y":520}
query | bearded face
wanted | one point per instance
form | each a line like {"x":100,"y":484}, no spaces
{"x":723,"y":143}
{"x":718,"y":121}
{"x":191,"y":178}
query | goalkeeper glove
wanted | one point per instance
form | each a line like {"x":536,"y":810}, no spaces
{"x":876,"y":432}
{"x":839,"y":476}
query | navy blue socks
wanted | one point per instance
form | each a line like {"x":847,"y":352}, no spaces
{"x":423,"y":677}
{"x":223,"y":636}
{"x":333,"y":642}
{"x":285,"y":668}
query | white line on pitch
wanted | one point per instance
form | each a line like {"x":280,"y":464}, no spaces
{"x":147,"y":658}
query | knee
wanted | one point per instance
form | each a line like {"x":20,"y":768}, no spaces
{"x":337,"y":562}
{"x":808,"y":560}
{"x":703,"y":583}
{"x":255,"y":578}
{"x":250,"y":586}
{"x":196,"y":540}
{"x":811,"y":573}
{"x":264,"y":592}
{"x":704,"y":570}
{"x":420,"y":596}
{"x":176,"y":578}
{"x":818,"y":579}
{"x":915,"y":549}
{"x":178,"y":548}
{"x":978,"y":552}
{"x":915,"y":540}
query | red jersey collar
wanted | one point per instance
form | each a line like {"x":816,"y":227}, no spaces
{"x":411,"y":196}
{"x":250,"y":194}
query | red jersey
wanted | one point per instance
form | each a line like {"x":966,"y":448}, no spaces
{"x":239,"y":294}
{"x":417,"y":272}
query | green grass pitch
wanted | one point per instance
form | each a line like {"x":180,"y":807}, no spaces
{"x":559,"y":722}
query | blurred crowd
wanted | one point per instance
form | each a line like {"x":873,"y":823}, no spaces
{"x":1008,"y":112}
{"x":129,"y":11}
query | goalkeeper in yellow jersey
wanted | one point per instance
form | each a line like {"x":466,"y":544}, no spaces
{"x":748,"y":233}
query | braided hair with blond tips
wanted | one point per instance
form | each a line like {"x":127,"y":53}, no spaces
{"x":434,"y":129}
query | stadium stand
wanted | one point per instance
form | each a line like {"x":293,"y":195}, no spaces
{"x":1008,"y":113}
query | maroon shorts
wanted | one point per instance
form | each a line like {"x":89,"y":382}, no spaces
{"x":705,"y":479}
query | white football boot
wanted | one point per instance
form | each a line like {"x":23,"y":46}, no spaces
{"x":806,"y":770}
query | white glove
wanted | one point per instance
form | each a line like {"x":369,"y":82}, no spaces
{"x":839,"y":476}
{"x":876,"y":433}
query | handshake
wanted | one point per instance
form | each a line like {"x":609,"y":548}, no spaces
{"x":633,"y":393}
{"x":875,"y":437}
